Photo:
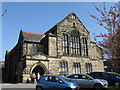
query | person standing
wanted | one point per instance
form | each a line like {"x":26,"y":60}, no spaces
{"x":33,"y":77}
{"x":38,"y":76}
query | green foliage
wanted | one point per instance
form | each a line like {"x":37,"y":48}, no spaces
{"x":113,"y":88}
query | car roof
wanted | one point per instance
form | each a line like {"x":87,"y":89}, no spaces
{"x":76,"y":74}
{"x":105,"y":72}
{"x":50,"y":75}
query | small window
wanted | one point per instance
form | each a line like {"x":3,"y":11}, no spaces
{"x":73,"y":16}
{"x":73,"y":25}
{"x":35,"y":49}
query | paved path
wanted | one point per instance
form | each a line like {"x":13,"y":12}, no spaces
{"x":19,"y":86}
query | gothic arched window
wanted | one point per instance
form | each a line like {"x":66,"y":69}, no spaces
{"x":76,"y":68}
{"x":65,"y":44}
{"x":84,"y":47}
{"x":75,"y":43}
{"x":88,"y":68}
{"x":34,"y":49}
{"x":63,"y":67}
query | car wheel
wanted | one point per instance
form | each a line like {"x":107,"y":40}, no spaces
{"x":98,"y":87}
{"x":117,"y":84}
{"x":39,"y":88}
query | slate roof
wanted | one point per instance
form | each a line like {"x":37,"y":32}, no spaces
{"x":31,"y":36}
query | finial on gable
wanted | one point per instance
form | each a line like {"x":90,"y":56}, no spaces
{"x":72,"y":12}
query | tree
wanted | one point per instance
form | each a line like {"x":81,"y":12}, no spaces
{"x":110,"y":20}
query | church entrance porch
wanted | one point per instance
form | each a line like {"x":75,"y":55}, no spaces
{"x":36,"y":73}
{"x":38,"y":69}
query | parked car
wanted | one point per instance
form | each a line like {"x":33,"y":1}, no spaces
{"x":54,"y":82}
{"x":85,"y":81}
{"x":64,"y":75}
{"x":112,"y":77}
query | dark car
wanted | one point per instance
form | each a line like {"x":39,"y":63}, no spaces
{"x":54,"y":82}
{"x":112,"y":77}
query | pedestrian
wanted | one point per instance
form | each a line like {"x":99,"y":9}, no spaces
{"x":27,"y":81}
{"x":38,"y":76}
{"x":33,"y":78}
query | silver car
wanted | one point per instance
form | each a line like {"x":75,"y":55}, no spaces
{"x":85,"y":81}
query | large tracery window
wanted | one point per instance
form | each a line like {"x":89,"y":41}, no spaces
{"x":85,"y":50}
{"x":63,"y":67}
{"x":65,"y":44}
{"x":75,"y":43}
{"x":76,"y":68}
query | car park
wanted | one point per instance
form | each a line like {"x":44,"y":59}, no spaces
{"x":53,"y":82}
{"x":85,"y":81}
{"x":112,"y":77}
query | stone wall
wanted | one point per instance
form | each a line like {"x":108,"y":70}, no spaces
{"x":52,"y":46}
{"x":54,"y":64}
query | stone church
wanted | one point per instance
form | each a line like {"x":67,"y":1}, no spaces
{"x":65,"y":48}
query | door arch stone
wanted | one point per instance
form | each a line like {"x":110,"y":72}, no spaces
{"x":39,"y":68}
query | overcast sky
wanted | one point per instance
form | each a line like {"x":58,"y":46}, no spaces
{"x":41,"y":16}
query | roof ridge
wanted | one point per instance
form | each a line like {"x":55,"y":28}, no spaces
{"x":32,"y":32}
{"x":8,"y":51}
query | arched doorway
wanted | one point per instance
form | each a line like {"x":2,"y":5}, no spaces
{"x":38,"y":69}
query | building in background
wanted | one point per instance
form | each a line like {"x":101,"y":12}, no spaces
{"x":1,"y":69}
{"x":65,"y":48}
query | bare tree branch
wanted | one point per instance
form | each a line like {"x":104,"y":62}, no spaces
{"x":4,"y":12}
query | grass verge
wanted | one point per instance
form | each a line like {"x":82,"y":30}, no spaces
{"x":113,"y":88}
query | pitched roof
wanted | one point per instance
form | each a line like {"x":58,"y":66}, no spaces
{"x":32,"y":36}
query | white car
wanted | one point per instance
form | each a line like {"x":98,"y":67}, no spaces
{"x":85,"y":81}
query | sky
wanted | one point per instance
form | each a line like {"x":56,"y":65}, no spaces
{"x":39,"y":17}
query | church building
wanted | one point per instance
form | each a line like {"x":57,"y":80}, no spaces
{"x":65,"y":48}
